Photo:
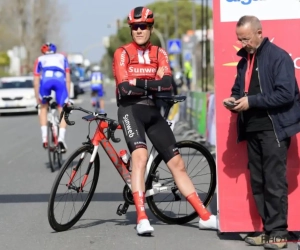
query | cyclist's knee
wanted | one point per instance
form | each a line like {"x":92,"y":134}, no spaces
{"x":139,"y":158}
{"x":176,"y":163}
{"x":171,"y":155}
{"x":43,"y":106}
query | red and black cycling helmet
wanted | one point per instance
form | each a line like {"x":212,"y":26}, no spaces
{"x":140,"y":15}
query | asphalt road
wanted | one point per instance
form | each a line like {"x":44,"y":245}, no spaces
{"x":26,"y":183}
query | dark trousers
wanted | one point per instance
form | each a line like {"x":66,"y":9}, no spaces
{"x":267,"y":166}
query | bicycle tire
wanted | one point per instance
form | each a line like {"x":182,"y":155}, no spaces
{"x":51,"y":217}
{"x":58,"y":150}
{"x":212,"y":165}
{"x":50,"y":140}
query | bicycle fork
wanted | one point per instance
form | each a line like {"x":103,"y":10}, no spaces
{"x":85,"y":177}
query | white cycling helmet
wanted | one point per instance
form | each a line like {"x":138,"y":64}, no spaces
{"x":96,"y":68}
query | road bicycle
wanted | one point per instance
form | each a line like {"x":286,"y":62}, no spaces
{"x":75,"y":181}
{"x":54,"y":150}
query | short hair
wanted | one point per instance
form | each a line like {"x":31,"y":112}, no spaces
{"x":252,"y":20}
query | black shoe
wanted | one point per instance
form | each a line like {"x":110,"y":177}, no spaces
{"x":63,"y":147}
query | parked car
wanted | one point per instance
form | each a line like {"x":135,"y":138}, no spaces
{"x":17,"y":94}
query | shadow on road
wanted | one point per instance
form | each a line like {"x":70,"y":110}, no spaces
{"x":25,"y":114}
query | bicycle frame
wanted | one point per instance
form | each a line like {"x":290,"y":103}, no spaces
{"x":100,"y":138}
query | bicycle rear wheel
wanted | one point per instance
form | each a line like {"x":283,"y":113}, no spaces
{"x":69,"y":180}
{"x":58,"y":152}
{"x":202,"y":173}
{"x":51,"y":146}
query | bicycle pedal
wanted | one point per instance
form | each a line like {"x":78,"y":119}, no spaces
{"x":125,"y":208}
{"x":119,"y":210}
{"x":122,"y":209}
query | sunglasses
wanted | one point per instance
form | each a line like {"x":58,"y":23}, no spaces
{"x":142,"y":26}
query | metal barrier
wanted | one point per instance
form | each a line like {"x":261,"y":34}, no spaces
{"x":195,"y":118}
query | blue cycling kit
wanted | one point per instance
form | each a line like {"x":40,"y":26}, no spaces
{"x":52,"y":68}
{"x":97,"y":83}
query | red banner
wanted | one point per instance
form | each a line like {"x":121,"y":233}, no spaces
{"x":236,"y":207}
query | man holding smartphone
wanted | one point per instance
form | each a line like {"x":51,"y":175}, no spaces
{"x":266,"y":97}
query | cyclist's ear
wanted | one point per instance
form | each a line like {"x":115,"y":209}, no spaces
{"x":151,"y":29}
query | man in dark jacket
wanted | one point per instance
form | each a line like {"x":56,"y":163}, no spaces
{"x":266,"y":96}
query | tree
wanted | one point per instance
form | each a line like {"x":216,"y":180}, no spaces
{"x":31,"y":24}
{"x":164,"y":22}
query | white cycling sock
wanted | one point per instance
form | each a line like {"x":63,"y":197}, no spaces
{"x":44,"y":133}
{"x":62,"y":132}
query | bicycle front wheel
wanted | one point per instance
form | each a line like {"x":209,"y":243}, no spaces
{"x":170,"y":206}
{"x":73,"y":189}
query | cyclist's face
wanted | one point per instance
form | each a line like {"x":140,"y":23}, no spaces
{"x":141,"y":33}
{"x":249,"y":38}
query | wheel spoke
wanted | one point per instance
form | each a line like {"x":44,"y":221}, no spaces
{"x":67,"y":203}
{"x":172,"y":207}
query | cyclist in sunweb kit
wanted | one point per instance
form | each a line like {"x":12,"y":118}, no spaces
{"x":51,"y":72}
{"x":141,"y":71}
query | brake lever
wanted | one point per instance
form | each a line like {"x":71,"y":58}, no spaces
{"x":66,"y":112}
{"x":112,"y":126}
{"x":70,"y":123}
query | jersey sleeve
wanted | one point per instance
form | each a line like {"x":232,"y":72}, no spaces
{"x":120,"y":66}
{"x":37,"y":68}
{"x":66,"y":65}
{"x":163,"y":61}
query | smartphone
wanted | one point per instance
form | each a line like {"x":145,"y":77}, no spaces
{"x":230,"y":104}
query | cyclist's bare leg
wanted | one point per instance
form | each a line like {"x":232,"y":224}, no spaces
{"x":186,"y":187}
{"x":183,"y":181}
{"x":63,"y":123}
{"x":139,"y":160}
{"x":43,"y":114}
{"x":43,"y":123}
{"x":62,"y":132}
{"x":93,"y":98}
{"x":101,"y":103}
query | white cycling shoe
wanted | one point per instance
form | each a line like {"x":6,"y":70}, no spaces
{"x":211,"y":223}
{"x":144,"y":227}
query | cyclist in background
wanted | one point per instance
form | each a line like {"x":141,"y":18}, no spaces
{"x":97,"y":89}
{"x":142,"y":70}
{"x":51,"y":72}
{"x":188,"y":73}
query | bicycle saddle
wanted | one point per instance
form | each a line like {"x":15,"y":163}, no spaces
{"x":172,"y":99}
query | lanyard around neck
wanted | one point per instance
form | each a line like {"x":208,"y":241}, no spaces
{"x":250,"y":65}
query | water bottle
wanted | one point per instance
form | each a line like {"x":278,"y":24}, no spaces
{"x":125,"y":156}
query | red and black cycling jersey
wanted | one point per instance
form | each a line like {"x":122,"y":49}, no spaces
{"x":133,"y":62}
